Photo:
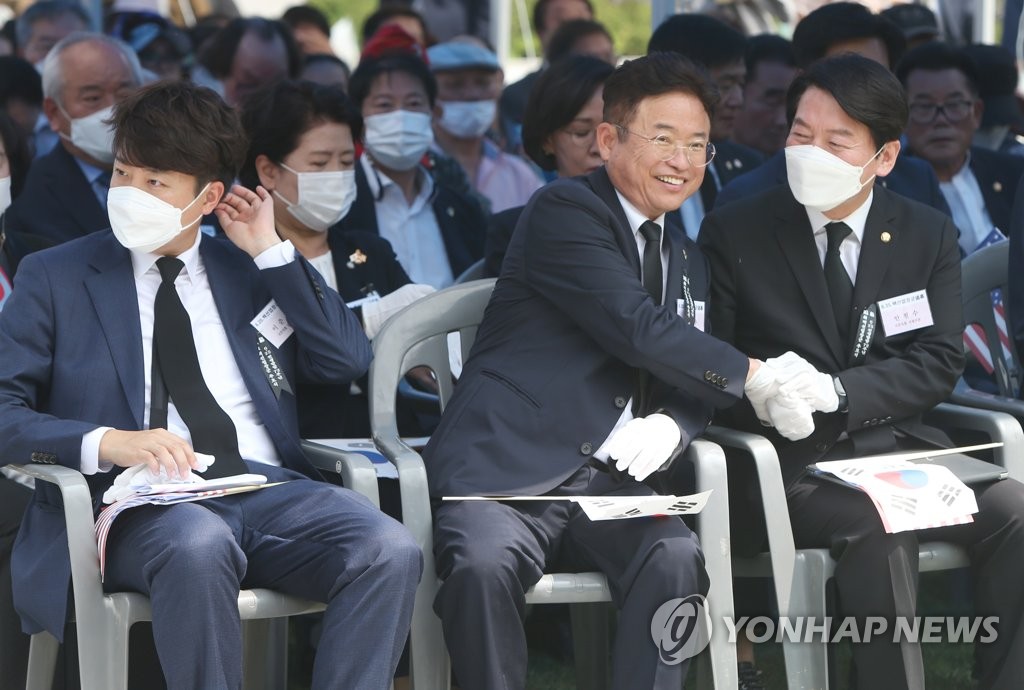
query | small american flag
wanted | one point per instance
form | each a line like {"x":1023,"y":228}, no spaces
{"x":974,"y":334}
{"x":5,"y":288}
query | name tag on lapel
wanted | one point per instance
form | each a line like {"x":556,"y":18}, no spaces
{"x":272,"y":324}
{"x":905,"y":313}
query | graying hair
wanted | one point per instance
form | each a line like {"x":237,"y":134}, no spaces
{"x":53,"y":80}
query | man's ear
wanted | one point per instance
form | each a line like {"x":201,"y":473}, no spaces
{"x":887,"y":158}
{"x":52,"y":111}
{"x":607,"y":138}
{"x":212,"y":196}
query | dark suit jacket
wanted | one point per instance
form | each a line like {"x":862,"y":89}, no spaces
{"x":462,"y":222}
{"x":911,"y":177}
{"x":768,"y":295}
{"x":1015,"y":274}
{"x":73,"y":361}
{"x":731,"y":161}
{"x":57,"y":204}
{"x":558,"y":352}
{"x":997,"y":175}
{"x":330,"y":411}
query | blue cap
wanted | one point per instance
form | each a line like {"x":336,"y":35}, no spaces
{"x":453,"y":55}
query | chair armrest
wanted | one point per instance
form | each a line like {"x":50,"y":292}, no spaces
{"x":421,"y":401}
{"x":412,"y":487}
{"x":998,"y":426}
{"x":773,"y":497}
{"x":969,"y":397}
{"x":82,"y":550}
{"x":357,"y":472}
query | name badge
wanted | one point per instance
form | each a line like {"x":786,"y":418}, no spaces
{"x":272,"y":324}
{"x":372,"y":296}
{"x":698,"y":312}
{"x":905,"y":313}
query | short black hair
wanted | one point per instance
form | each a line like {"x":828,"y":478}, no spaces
{"x":768,"y":48}
{"x":276,"y":117}
{"x":864,"y":89}
{"x":844,"y":21}
{"x":18,"y":156}
{"x":19,"y":80}
{"x":305,"y":14}
{"x":218,"y":54}
{"x":541,"y":9}
{"x":935,"y":57}
{"x":327,"y":57}
{"x":707,"y":41}
{"x":49,"y":10}
{"x":369,"y":69}
{"x":181,"y":127}
{"x":387,"y":10}
{"x":557,"y":97}
{"x":654,"y":74}
{"x":563,"y":41}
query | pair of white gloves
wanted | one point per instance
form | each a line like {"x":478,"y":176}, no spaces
{"x":376,"y":313}
{"x":786,"y":390}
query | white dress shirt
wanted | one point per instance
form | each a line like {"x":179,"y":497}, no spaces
{"x":216,"y":359}
{"x":849,"y":250}
{"x":967,"y":205}
{"x":635,"y":220}
{"x":324,"y":264}
{"x":411,"y":229}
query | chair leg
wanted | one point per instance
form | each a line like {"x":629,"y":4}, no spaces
{"x":807,"y":663}
{"x":430,"y":667}
{"x":42,"y":661}
{"x":591,"y":641}
{"x":265,"y":653}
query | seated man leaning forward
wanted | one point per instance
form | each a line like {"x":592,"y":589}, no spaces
{"x":582,"y":382}
{"x":79,"y":387}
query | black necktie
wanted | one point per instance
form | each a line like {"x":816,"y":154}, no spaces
{"x":652,"y":260}
{"x":173,"y":347}
{"x":840,"y":288}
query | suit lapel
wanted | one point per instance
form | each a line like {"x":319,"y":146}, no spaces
{"x":68,"y":183}
{"x":678,"y":258}
{"x":602,"y":186}
{"x":113,"y":294}
{"x":875,"y":254}
{"x":794,"y":234}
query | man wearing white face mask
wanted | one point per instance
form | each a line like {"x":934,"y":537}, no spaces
{"x":820,"y":267}
{"x":468,"y":84}
{"x":84,"y":75}
{"x":434,"y":224}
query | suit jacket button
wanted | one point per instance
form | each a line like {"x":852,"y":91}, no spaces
{"x":708,"y":375}
{"x":620,"y":402}
{"x":586,"y":448}
{"x":725,"y":382}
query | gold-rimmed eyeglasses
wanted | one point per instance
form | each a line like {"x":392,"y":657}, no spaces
{"x":699,"y":154}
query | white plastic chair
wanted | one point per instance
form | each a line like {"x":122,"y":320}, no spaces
{"x":417,"y":336}
{"x":800,"y":575}
{"x":104,"y":620}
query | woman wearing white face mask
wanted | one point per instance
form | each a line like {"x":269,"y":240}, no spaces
{"x":468,"y":84}
{"x":436,"y":228}
{"x":301,"y":149}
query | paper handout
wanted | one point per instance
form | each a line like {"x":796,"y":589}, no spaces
{"x":614,"y":507}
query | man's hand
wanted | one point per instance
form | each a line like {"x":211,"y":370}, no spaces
{"x":157,"y":448}
{"x":813,"y":387}
{"x":791,"y":417}
{"x":767,"y":378}
{"x":247,"y":218}
{"x":644,"y":444}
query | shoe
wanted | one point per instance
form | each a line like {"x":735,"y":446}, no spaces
{"x":750,"y":676}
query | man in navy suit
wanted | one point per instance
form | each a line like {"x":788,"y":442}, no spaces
{"x":87,"y":381}
{"x":64,"y":196}
{"x":589,"y":373}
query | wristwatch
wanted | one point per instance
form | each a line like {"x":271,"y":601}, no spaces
{"x":844,"y":402}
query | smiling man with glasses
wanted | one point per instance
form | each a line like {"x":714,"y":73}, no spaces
{"x":941,"y":82}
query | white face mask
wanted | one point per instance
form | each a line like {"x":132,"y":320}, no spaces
{"x":467,"y":119}
{"x":5,"y":193}
{"x":398,"y":139}
{"x":92,"y":134}
{"x":142,"y":222}
{"x":324,"y":197}
{"x":821,"y":180}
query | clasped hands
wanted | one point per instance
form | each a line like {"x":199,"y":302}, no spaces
{"x":786,"y":390}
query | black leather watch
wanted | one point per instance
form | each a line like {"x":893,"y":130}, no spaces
{"x":844,"y":402}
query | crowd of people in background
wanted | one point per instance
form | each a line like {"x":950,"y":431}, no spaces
{"x":419,"y":167}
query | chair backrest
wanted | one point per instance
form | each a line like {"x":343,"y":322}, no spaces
{"x":475,"y":271}
{"x":418,"y":336}
{"x":983,"y":272}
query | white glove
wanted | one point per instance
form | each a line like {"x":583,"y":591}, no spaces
{"x":815,"y":388}
{"x":139,"y":476}
{"x":772,"y":373}
{"x":791,"y":417}
{"x":644,"y":444}
{"x":375,"y":314}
